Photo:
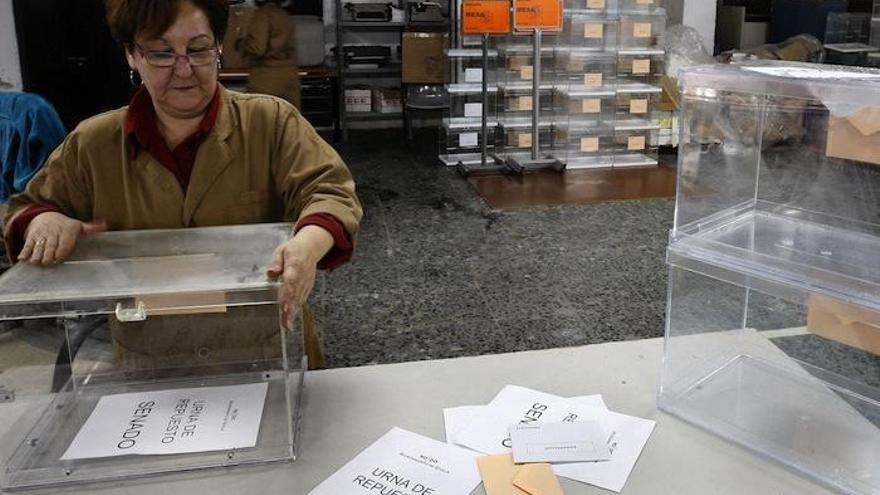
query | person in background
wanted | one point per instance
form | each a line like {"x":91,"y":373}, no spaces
{"x":188,"y":153}
{"x":269,"y":46}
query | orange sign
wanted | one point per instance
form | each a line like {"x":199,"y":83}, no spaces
{"x":537,"y":14}
{"x":485,"y":17}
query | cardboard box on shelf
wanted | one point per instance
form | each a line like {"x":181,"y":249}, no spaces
{"x":387,"y":100}
{"x":856,"y":137}
{"x":424,"y":59}
{"x":239,"y":19}
{"x":358,"y":100}
{"x":848,"y":324}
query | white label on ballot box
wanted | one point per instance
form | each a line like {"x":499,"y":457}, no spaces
{"x":473,"y":75}
{"x":403,"y":463}
{"x":467,"y":140}
{"x":473,"y":109}
{"x":175,"y":421}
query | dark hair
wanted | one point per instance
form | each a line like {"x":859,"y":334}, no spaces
{"x":129,"y":18}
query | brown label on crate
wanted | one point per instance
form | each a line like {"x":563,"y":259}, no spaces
{"x":593,"y":80}
{"x":595,"y":4}
{"x":641,"y":66}
{"x":635,"y":143}
{"x":642,"y":30}
{"x":594,"y":30}
{"x":524,"y":139}
{"x":526,"y":72}
{"x":537,"y":14}
{"x":524,"y":103}
{"x":485,"y":17}
{"x":645,"y":2}
{"x":638,"y":106}
{"x":589,"y":144}
{"x":591,"y":105}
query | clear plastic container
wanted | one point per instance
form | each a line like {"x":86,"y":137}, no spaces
{"x":516,"y":137}
{"x":517,"y":99}
{"x":461,"y":140}
{"x":636,"y":101}
{"x":592,"y":31}
{"x":641,"y":29}
{"x":587,"y":143}
{"x":643,"y":65}
{"x":467,"y":65}
{"x":773,"y":323}
{"x":147,"y":313}
{"x":518,"y":64}
{"x":466,"y":100}
{"x":579,"y":67}
{"x":635,"y":143}
{"x":640,"y":5}
{"x":584,"y":104}
{"x":592,"y":6}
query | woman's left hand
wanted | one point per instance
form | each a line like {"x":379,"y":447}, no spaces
{"x":294,"y":264}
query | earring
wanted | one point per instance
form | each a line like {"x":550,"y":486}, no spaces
{"x":132,"y":74}
{"x":219,"y":64}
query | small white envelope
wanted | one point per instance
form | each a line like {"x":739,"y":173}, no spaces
{"x":579,"y":441}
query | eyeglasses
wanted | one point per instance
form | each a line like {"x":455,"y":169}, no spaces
{"x":165,"y":59}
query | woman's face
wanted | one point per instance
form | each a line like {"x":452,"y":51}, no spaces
{"x":181,"y":90}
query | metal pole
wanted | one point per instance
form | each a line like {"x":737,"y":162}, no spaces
{"x":485,"y":121}
{"x":536,"y":90}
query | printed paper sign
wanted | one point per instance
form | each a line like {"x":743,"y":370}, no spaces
{"x":526,"y":72}
{"x":473,"y":109}
{"x":537,"y":14}
{"x":589,"y":144}
{"x":593,"y":80}
{"x":473,"y":75}
{"x":172,"y":422}
{"x":403,"y":463}
{"x":467,"y":140}
{"x":642,"y":30}
{"x":485,"y":17}
{"x":641,"y":66}
{"x":594,"y":31}
{"x":638,"y":105}
{"x":524,"y":103}
{"x":591,"y":105}
{"x":595,"y":4}
{"x":635,"y":143}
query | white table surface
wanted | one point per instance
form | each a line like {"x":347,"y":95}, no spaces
{"x":347,"y":409}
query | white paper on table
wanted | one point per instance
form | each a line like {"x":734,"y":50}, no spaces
{"x":175,"y":421}
{"x":488,"y":433}
{"x":408,"y":463}
{"x":629,"y":436}
{"x":456,"y":419}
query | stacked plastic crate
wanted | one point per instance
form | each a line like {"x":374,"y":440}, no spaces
{"x":461,"y":130}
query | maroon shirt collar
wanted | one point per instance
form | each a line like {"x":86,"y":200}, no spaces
{"x":142,"y":128}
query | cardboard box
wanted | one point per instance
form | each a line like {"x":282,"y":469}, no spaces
{"x":239,"y":19}
{"x":856,"y":137}
{"x":358,"y":100}
{"x":424,"y":59}
{"x":671,"y":96}
{"x":387,"y":101}
{"x":848,"y":324}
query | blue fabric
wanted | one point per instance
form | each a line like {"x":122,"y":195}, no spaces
{"x":30,"y":130}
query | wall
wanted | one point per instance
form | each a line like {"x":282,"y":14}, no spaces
{"x":10,"y":69}
{"x":698,"y":14}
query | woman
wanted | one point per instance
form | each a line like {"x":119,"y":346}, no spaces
{"x":270,"y":47}
{"x":188,"y":153}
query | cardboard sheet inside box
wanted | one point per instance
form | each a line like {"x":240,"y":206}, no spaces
{"x":856,"y":137}
{"x":424,"y":58}
{"x":848,"y":324}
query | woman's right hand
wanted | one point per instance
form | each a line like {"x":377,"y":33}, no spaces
{"x":51,"y":237}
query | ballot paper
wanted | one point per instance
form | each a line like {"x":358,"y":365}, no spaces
{"x":577,"y":441}
{"x":174,"y":421}
{"x":404,"y":463}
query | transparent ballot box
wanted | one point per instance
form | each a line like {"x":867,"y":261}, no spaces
{"x":148,"y":352}
{"x":586,"y":143}
{"x":516,"y":137}
{"x":635,"y":100}
{"x":517,"y":63}
{"x":592,"y":6}
{"x":461,"y":140}
{"x":639,"y":5}
{"x":467,"y":65}
{"x":642,"y":65}
{"x":583,"y":67}
{"x":517,"y":99}
{"x":635,"y":143}
{"x":773,"y":324}
{"x":641,"y":29}
{"x":593,"y":31}
{"x":466,"y":100}
{"x":586,"y":104}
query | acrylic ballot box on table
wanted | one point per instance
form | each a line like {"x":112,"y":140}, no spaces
{"x":165,"y":323}
{"x":773,"y":323}
{"x":635,"y":143}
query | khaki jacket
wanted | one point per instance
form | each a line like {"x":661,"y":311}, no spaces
{"x":262,"y":162}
